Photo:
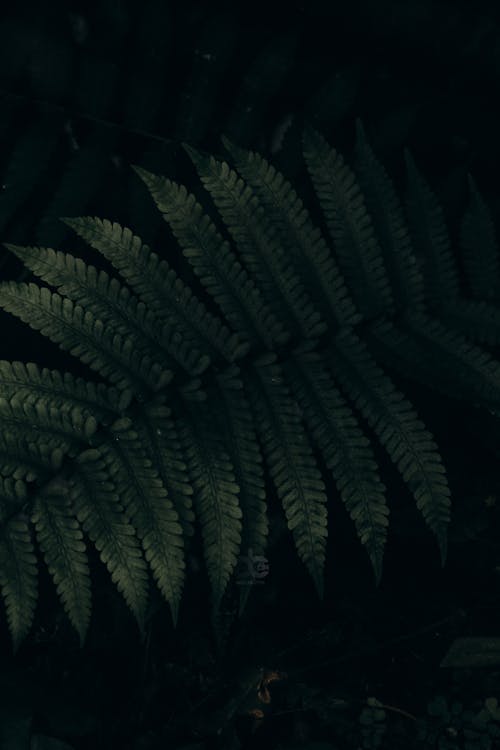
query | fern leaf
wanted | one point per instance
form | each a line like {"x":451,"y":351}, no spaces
{"x":479,"y":247}
{"x":259,"y":246}
{"x":390,"y":226}
{"x":430,"y":239}
{"x":29,"y":383}
{"x":63,"y":428}
{"x":291,"y":463}
{"x":350,"y":226}
{"x":409,"y":444}
{"x":465,"y":370}
{"x":345,"y":448}
{"x":214,"y":262}
{"x":63,"y":548}
{"x":157,"y":430}
{"x":238,"y":427}
{"x":95,"y":499}
{"x":157,"y":285}
{"x":105,"y":297}
{"x":13,"y":495}
{"x":304,"y":242}
{"x":84,"y":336}
{"x":23,"y":458}
{"x":18,"y":577}
{"x":215,"y":495}
{"x":149,"y":508}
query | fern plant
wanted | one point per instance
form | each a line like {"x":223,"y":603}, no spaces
{"x":284,"y":356}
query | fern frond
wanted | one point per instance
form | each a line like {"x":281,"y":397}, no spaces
{"x":96,"y":503}
{"x":157,"y":285}
{"x":291,"y":463}
{"x":430,"y":239}
{"x":61,"y":542}
{"x":303,"y":241}
{"x":29,"y":383}
{"x":409,"y":444}
{"x":23,"y":458}
{"x":465,"y":370}
{"x":57,"y":426}
{"x":215,"y":495}
{"x":157,"y":429}
{"x":390,"y":227}
{"x":238,"y":428}
{"x":214,"y":262}
{"x":479,"y":246}
{"x":350,"y":226}
{"x":77,"y":331}
{"x":18,"y":577}
{"x":259,"y":246}
{"x":148,"y":506}
{"x":13,"y":495}
{"x":105,"y":297}
{"x":345,"y":449}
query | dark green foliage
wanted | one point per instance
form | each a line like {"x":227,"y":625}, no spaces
{"x":279,"y":361}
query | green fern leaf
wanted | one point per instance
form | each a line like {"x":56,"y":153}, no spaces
{"x":391,"y":228}
{"x":18,"y":577}
{"x":148,"y":506}
{"x":238,"y":428}
{"x":84,"y":336}
{"x":98,"y":509}
{"x":24,"y":458}
{"x":62,"y":545}
{"x":98,"y":293}
{"x":259,"y":246}
{"x":214,"y":262}
{"x":158,"y":431}
{"x":215,"y":495}
{"x":410,"y":446}
{"x":157,"y":285}
{"x":57,"y":426}
{"x":345,"y":448}
{"x":430,"y":239}
{"x":62,"y":390}
{"x":350,"y":226}
{"x":291,"y":463}
{"x":304,"y":242}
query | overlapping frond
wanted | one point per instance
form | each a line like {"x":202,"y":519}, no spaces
{"x":409,"y":444}
{"x":148,"y":506}
{"x":350,"y":226}
{"x":159,"y":287}
{"x":431,"y":239}
{"x":345,"y":449}
{"x":259,"y":246}
{"x":390,"y":226}
{"x":18,"y":577}
{"x":304,"y":242}
{"x":197,"y":407}
{"x":216,"y":492}
{"x":77,"y":330}
{"x":104,"y":296}
{"x":62,"y":390}
{"x":215,"y":262}
{"x":291,"y":463}
{"x":97,"y":506}
{"x":61,"y":542}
